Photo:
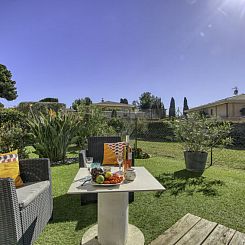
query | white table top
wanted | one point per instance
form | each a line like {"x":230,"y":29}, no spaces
{"x":144,"y":181}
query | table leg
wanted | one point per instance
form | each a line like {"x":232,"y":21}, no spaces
{"x":113,"y":227}
{"x":113,"y":218}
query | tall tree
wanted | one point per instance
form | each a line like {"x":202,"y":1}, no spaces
{"x":7,"y":86}
{"x":156,"y":103}
{"x":185,"y":107}
{"x":172,"y":111}
{"x":87,"y":101}
{"x":124,"y":101}
{"x":146,"y":100}
{"x":78,"y":102}
{"x":135,"y":103}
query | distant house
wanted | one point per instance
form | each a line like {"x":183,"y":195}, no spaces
{"x":232,"y":108}
{"x":122,"y":110}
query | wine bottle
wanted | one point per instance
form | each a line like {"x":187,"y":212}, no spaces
{"x":129,"y":158}
{"x":125,"y":158}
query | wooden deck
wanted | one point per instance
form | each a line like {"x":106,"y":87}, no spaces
{"x":193,"y":230}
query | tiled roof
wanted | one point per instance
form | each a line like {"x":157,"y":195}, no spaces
{"x":234,"y":99}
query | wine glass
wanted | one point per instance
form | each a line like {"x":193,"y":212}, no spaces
{"x":120,"y":160}
{"x":89,"y":161}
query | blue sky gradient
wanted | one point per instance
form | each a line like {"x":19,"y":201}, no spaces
{"x":70,"y":49}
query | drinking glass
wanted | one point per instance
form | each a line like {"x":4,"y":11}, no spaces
{"x":89,"y":161}
{"x":120,"y":161}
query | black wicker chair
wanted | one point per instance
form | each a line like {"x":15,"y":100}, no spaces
{"x":25,"y":211}
{"x":96,"y":150}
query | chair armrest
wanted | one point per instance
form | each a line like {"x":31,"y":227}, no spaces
{"x":32,"y":170}
{"x":10,"y":225}
{"x":82,"y":158}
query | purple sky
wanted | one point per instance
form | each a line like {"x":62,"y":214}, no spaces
{"x":105,"y":48}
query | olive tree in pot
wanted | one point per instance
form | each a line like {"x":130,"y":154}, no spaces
{"x":198,"y":135}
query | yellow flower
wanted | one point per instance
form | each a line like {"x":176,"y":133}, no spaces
{"x":52,"y":113}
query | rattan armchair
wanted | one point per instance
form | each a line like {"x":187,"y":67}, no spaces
{"x":25,"y":211}
{"x":96,"y":150}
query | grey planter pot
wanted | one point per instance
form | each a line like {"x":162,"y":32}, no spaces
{"x":195,"y":161}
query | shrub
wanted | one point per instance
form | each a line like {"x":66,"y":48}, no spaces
{"x":53,"y":133}
{"x":12,"y":137}
{"x":42,"y":107}
{"x":93,"y":123}
{"x":140,"y":154}
{"x":86,"y":101}
{"x":11,"y":115}
{"x":117,"y":124}
{"x":198,"y":133}
{"x":13,"y":131}
{"x":49,"y":100}
{"x":238,"y":135}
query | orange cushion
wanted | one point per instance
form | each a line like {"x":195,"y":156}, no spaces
{"x":111,"y":151}
{"x":9,"y":167}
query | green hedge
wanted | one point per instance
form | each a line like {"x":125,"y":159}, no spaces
{"x":238,"y":135}
{"x":13,"y":131}
{"x":49,"y":100}
{"x":156,"y":131}
{"x":11,"y":115}
{"x":40,"y":106}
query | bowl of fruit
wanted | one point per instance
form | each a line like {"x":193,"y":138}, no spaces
{"x":105,"y":178}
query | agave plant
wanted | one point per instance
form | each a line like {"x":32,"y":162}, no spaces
{"x":53,"y":133}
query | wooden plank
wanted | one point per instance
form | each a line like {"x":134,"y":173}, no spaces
{"x":198,"y":233}
{"x":221,"y":235}
{"x":238,"y":239}
{"x":179,"y":229}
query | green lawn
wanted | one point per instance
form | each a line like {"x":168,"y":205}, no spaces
{"x":217,"y":196}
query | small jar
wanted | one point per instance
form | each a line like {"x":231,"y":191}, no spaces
{"x":130,"y":174}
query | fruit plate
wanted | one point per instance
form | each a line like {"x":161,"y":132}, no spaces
{"x":97,"y":184}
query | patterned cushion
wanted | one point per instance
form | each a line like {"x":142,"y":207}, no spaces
{"x":9,"y":167}
{"x":111,"y":151}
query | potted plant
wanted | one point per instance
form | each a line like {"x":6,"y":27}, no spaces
{"x":198,"y":135}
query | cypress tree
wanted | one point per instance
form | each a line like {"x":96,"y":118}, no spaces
{"x":185,"y":107}
{"x":172,"y":112}
{"x":123,"y":101}
{"x":114,"y":113}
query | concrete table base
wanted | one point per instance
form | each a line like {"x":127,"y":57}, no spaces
{"x":135,"y":236}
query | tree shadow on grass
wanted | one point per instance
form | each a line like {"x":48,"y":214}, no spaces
{"x":187,"y":182}
{"x":68,"y":208}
